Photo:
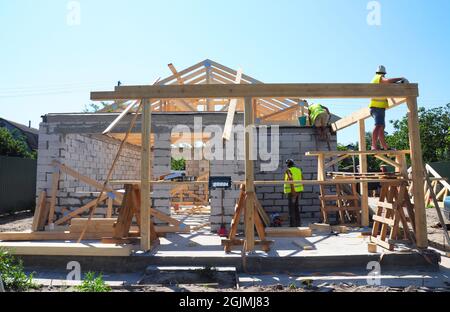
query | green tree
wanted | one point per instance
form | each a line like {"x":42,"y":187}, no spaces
{"x":12,"y":144}
{"x":95,"y":107}
{"x":178,"y":164}
{"x":434,"y":133}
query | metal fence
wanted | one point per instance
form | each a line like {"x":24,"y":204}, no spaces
{"x":17,"y":184}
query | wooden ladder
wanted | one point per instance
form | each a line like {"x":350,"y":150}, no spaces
{"x":345,"y":204}
{"x":394,"y":199}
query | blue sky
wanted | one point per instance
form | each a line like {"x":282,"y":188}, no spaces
{"x":48,"y":66}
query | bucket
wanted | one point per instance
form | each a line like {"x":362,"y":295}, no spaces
{"x":302,"y":121}
{"x":447,"y":207}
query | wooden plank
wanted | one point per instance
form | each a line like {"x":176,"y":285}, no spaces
{"x":288,"y":232}
{"x":249,"y":177}
{"x":356,"y":153}
{"x":146,"y":177}
{"x":67,"y":249}
{"x":337,"y":90}
{"x":231,"y":111}
{"x":363,"y":167}
{"x":40,"y":213}
{"x":80,"y":210}
{"x":335,"y":161}
{"x":54,"y":235}
{"x":388,"y":161}
{"x":66,"y":169}
{"x":320,"y":227}
{"x":120,"y":117}
{"x":417,"y":174}
{"x":55,"y":181}
{"x":389,"y":222}
{"x":163,"y":217}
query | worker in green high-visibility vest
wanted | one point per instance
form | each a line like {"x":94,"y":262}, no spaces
{"x":319,"y":117}
{"x":293,"y":192}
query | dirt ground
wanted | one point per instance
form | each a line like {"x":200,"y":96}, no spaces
{"x":341,"y":287}
{"x":435,"y":232}
{"x":19,"y":222}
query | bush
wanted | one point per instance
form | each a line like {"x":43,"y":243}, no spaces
{"x":13,"y":144}
{"x":91,"y":283}
{"x":12,"y":273}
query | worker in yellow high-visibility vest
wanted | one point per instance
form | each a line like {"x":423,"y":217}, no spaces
{"x":319,"y":117}
{"x":378,"y":109}
{"x":293,"y":192}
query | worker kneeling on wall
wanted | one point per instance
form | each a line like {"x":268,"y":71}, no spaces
{"x":319,"y":116}
{"x":293,"y":192}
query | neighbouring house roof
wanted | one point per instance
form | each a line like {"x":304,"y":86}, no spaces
{"x":31,"y":134}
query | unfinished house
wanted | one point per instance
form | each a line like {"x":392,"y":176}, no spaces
{"x":111,"y":183}
{"x":76,"y":141}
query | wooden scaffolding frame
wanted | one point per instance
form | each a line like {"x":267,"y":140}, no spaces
{"x":398,"y":94}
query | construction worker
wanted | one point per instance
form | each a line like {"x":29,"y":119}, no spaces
{"x":378,"y":109}
{"x":319,"y":116}
{"x":293,"y":191}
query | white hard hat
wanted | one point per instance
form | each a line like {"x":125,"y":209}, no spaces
{"x":381,"y":69}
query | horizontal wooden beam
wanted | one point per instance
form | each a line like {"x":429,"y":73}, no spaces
{"x":338,"y":90}
{"x":67,"y":249}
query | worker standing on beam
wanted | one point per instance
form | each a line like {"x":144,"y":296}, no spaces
{"x":319,"y":116}
{"x":378,"y":109}
{"x":293,"y":192}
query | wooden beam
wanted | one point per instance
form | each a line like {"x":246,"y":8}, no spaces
{"x":362,"y":114}
{"x":231,"y":111}
{"x":388,"y":161}
{"x":356,"y":153}
{"x":85,"y":179}
{"x":249,"y":177}
{"x":120,"y":117}
{"x":260,"y":91}
{"x":181,"y":73}
{"x":288,"y":232}
{"x":417,"y":174}
{"x":80,"y":210}
{"x":40,"y":213}
{"x":67,"y":249}
{"x":146,"y":177}
{"x":363,"y":167}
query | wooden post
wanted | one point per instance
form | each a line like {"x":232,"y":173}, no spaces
{"x":417,"y":174}
{"x":249,"y":177}
{"x":321,"y":170}
{"x":146,"y":175}
{"x":363,"y":168}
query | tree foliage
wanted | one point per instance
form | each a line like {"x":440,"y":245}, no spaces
{"x":434,"y":133}
{"x":13,"y":144}
{"x":178,"y":164}
{"x":95,"y":107}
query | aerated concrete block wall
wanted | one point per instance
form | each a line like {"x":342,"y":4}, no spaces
{"x":91,"y":156}
{"x":294,"y":142}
